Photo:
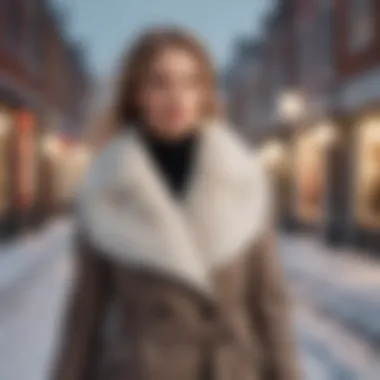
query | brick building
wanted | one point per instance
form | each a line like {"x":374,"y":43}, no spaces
{"x":319,"y":124}
{"x":43,"y":79}
{"x":356,"y":163}
{"x":241,"y":83}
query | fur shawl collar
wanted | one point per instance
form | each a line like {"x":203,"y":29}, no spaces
{"x":126,"y":210}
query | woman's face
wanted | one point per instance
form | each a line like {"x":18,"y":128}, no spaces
{"x":172,"y":94}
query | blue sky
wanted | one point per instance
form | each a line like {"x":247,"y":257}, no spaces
{"x":105,"y":27}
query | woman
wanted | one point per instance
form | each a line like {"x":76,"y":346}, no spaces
{"x":178,"y":279}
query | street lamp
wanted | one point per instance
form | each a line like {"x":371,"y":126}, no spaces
{"x":291,"y":105}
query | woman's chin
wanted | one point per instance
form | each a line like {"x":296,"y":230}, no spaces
{"x":175,"y":132}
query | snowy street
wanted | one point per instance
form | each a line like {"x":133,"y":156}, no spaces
{"x":337,"y":309}
{"x":31,"y":302}
{"x":343,"y":283}
{"x":336,"y":304}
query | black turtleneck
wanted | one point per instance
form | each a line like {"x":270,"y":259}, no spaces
{"x":174,"y":159}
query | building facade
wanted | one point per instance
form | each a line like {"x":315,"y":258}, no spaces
{"x":38,"y":64}
{"x":241,"y":82}
{"x":319,"y":124}
{"x":358,"y":66}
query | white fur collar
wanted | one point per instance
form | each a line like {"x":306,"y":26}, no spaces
{"x":127,"y":211}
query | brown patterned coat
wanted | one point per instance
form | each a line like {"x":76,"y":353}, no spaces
{"x":177,"y":290}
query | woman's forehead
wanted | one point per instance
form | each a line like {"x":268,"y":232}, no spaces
{"x":176,"y":60}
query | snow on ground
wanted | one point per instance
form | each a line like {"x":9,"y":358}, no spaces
{"x":32,"y":303}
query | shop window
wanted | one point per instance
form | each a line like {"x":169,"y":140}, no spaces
{"x":277,"y":161}
{"x":310,"y":156}
{"x":27,"y":174}
{"x":309,"y":178}
{"x":361,"y":24}
{"x":5,"y":129}
{"x":367,"y":205}
{"x":303,"y":52}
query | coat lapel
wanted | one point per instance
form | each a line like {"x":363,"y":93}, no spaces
{"x":228,"y":205}
{"x":127,"y":211}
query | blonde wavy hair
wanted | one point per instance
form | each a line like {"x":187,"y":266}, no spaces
{"x":123,"y":109}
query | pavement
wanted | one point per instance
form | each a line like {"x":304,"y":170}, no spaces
{"x":18,"y":257}
{"x":33,"y":302}
{"x":344,"y":283}
{"x":31,"y":312}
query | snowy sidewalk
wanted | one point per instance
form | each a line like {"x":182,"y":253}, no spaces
{"x":19,"y":257}
{"x":342,"y":282}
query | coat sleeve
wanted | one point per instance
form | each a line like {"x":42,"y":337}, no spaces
{"x":86,"y":303}
{"x":270,"y":306}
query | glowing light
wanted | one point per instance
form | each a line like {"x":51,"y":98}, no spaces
{"x":291,"y":105}
{"x":273,"y":153}
{"x":326,"y":134}
{"x":51,"y":145}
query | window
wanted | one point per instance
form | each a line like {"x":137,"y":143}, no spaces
{"x":361,"y":24}
{"x":326,"y":35}
{"x":307,"y":52}
{"x":13,"y":13}
{"x":5,"y":132}
{"x":276,"y":68}
{"x":35,"y":37}
{"x":367,"y":195}
{"x":309,"y":171}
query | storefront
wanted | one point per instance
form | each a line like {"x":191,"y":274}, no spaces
{"x":26,"y":166}
{"x":367,"y":183}
{"x":6,"y":122}
{"x":71,"y":172}
{"x":52,"y":156}
{"x":310,"y":154}
{"x":65,"y":161}
{"x":19,"y":159}
{"x":65,"y":170}
{"x":366,"y":194}
{"x":80,"y":160}
{"x":276,"y":157}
